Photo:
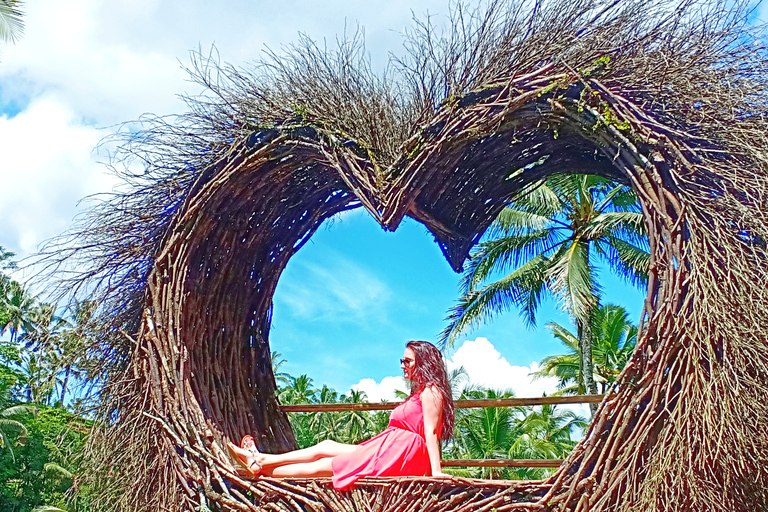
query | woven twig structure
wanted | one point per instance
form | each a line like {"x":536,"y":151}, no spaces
{"x":667,"y":97}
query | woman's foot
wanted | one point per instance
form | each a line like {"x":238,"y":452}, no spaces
{"x":247,"y":458}
{"x":248,"y":443}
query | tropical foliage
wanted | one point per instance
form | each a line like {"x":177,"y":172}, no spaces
{"x":40,"y":441}
{"x":541,"y":432}
{"x":39,"y":470}
{"x":613,"y":340}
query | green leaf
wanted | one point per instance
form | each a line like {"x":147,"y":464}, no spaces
{"x":11,"y":22}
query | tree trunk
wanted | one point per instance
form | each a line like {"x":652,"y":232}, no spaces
{"x":586,"y":365}
{"x":64,"y":385}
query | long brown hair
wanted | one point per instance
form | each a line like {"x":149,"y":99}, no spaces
{"x":429,"y":369}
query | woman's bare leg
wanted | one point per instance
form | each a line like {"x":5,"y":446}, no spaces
{"x":326,"y":449}
{"x":320,"y":467}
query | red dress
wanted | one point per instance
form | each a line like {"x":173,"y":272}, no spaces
{"x":400,"y":450}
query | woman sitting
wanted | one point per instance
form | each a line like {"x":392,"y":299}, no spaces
{"x":409,"y":446}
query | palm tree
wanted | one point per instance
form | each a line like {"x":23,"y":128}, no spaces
{"x":356,"y":423}
{"x":551,"y":238}
{"x":378,"y":421}
{"x":43,"y":354}
{"x":299,"y":391}
{"x":19,"y":307}
{"x":76,"y":335}
{"x":613,"y":340}
{"x":458,"y":378}
{"x":485,"y":433}
{"x":277,"y":362}
{"x":9,"y":422}
{"x":36,"y":384}
{"x":329,"y":424}
{"x":544,"y":433}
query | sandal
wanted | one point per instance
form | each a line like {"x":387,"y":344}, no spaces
{"x":248,"y":443}
{"x":243,"y":461}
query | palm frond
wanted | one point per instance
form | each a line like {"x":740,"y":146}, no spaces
{"x":501,"y":254}
{"x":609,"y":201}
{"x":624,"y":224}
{"x":540,"y":200}
{"x":521,"y":287}
{"x":564,"y":335}
{"x":513,"y":220}
{"x":16,"y":410}
{"x":627,"y":260}
{"x":51,"y":466}
{"x":565,"y":367}
{"x":11,"y":22}
{"x":571,"y":279}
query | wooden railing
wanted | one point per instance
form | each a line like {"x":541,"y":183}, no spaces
{"x":463,"y":404}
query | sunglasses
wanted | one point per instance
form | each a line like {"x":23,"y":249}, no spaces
{"x":409,"y":361}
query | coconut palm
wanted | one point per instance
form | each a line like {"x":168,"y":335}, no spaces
{"x":328,"y":424}
{"x":485,"y":433}
{"x":5,"y":264}
{"x":9,"y":422}
{"x":19,"y":307}
{"x":43,"y":352}
{"x":613,"y":340}
{"x":299,"y":391}
{"x":544,"y":433}
{"x":35,"y":383}
{"x":458,"y":378}
{"x":551,"y":238}
{"x":277,"y":362}
{"x":356,"y":423}
{"x":378,"y":421}
{"x":76,"y":335}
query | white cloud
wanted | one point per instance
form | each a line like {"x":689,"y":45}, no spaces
{"x":486,"y":367}
{"x":107,"y":81}
{"x":115,"y":59}
{"x":48,"y":165}
{"x":384,"y":390}
{"x":349,"y":292}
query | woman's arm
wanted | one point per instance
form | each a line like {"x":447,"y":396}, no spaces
{"x":432,"y":405}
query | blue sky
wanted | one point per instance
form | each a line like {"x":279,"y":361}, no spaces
{"x":352,"y":296}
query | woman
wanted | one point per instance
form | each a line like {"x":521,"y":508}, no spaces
{"x":410,"y":445}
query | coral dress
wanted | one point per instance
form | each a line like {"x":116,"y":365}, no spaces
{"x":400,"y":450}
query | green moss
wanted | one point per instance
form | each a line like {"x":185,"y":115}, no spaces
{"x":553,"y":85}
{"x":596,"y":67}
{"x":300,"y":109}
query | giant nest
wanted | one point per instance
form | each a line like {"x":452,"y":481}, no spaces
{"x":667,"y":97}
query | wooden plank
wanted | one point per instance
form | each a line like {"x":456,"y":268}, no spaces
{"x":502,"y":463}
{"x":460,"y":404}
{"x":541,"y":400}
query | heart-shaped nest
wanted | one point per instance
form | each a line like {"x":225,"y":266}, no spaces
{"x":668,"y":98}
